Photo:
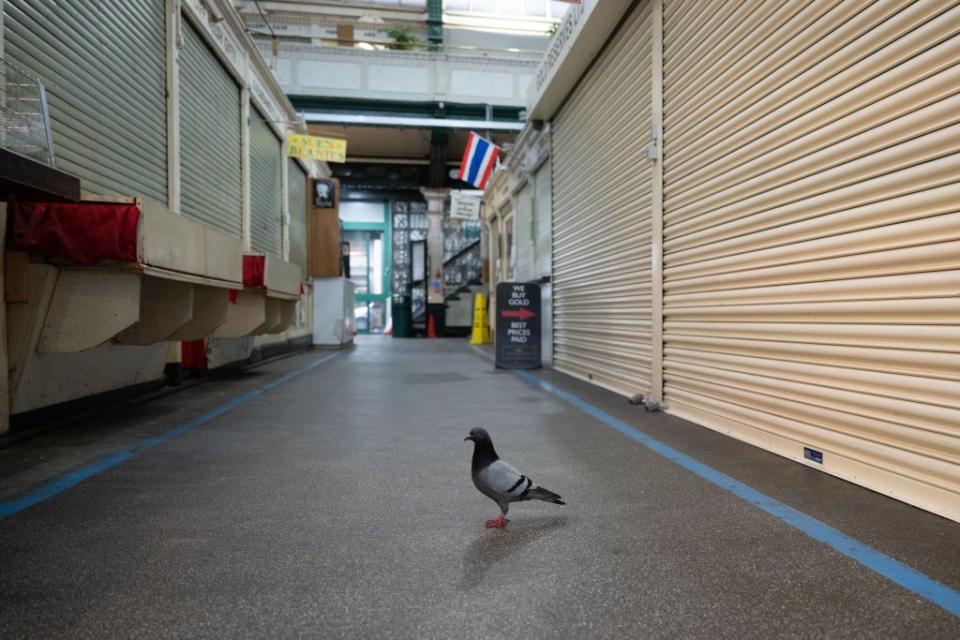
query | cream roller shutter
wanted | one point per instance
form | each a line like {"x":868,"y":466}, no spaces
{"x":541,"y":221}
{"x":297,"y":188}
{"x":266,"y":193}
{"x":211,"y":138}
{"x":105,"y":73}
{"x":523,"y":221}
{"x":602,"y":216}
{"x":812,"y":234}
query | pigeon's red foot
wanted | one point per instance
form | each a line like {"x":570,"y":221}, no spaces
{"x":498,"y":523}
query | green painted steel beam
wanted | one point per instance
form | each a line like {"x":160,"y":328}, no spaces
{"x":435,"y":22}
{"x":431,"y":109}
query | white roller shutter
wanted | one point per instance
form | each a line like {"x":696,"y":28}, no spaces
{"x":105,"y":75}
{"x":524,"y":233}
{"x":211,"y":146}
{"x":541,"y":220}
{"x":266,"y":192}
{"x":812,"y":235}
{"x":297,"y":186}
{"x":602,"y":216}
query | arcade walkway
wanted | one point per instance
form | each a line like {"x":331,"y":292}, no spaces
{"x":329,"y":497}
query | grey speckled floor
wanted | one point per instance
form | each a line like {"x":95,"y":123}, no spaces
{"x":339,"y":505}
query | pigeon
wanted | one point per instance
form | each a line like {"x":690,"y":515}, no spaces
{"x":499,"y":481}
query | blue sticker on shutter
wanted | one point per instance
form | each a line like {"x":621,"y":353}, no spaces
{"x":813,"y":454}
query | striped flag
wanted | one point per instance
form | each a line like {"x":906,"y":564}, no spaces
{"x":479,"y":158}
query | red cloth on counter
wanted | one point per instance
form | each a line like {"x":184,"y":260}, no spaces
{"x":85,"y":233}
{"x":253,"y":267}
{"x":193,"y":355}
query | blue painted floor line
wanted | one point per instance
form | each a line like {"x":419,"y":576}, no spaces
{"x":73,"y":478}
{"x":908,"y":578}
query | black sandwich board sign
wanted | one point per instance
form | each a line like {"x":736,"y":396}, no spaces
{"x":518,"y":326}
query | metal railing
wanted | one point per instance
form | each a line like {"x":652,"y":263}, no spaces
{"x":462,"y":259}
{"x":24,"y":116}
{"x":525,"y":57}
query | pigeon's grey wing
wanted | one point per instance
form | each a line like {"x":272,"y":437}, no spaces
{"x":504,"y":480}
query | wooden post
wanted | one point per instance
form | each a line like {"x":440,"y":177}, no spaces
{"x":323,"y":223}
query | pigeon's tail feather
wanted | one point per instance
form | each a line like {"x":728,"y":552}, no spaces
{"x":539,"y":493}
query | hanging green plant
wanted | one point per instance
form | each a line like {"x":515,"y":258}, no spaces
{"x":404,"y":39}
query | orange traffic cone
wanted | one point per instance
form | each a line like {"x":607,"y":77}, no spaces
{"x":432,"y":327}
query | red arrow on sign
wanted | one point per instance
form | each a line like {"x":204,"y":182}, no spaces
{"x":522,"y":314}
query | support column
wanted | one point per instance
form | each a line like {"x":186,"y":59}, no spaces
{"x":439,"y":151}
{"x":174,"y":44}
{"x":435,"y":198}
{"x":245,"y":166}
{"x":4,"y":368}
{"x":174,"y":157}
{"x":484,"y":247}
{"x":285,"y":201}
{"x":435,"y":23}
{"x":655,"y":401}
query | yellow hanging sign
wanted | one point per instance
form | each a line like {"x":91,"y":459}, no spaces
{"x":317,"y":148}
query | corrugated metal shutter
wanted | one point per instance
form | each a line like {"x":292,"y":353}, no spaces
{"x":524,"y":230}
{"x":266,"y":230}
{"x":541,"y":220}
{"x":105,"y":73}
{"x":602,"y":217}
{"x":508,"y":239}
{"x":297,"y":185}
{"x":211,"y":143}
{"x":812,"y":235}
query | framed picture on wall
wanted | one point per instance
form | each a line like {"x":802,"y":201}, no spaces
{"x":324,"y":194}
